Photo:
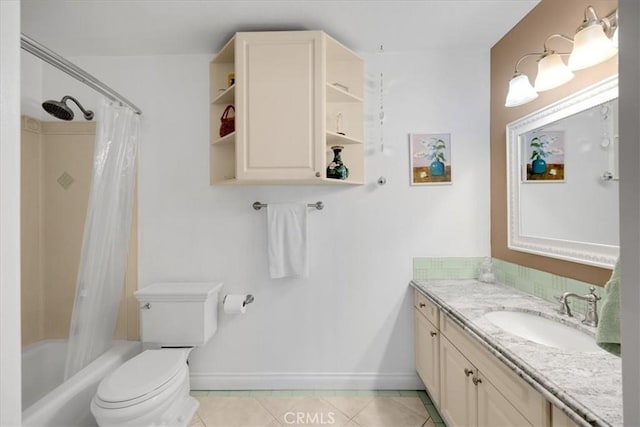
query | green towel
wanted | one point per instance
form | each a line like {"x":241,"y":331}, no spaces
{"x":608,"y":332}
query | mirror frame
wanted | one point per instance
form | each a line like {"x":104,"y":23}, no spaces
{"x":595,"y":254}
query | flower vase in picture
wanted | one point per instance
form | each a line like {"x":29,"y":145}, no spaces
{"x":538,"y":166}
{"x":545,"y":156}
{"x":437,"y":168}
{"x":337,"y":169}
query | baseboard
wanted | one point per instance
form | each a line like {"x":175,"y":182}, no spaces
{"x":305,"y":381}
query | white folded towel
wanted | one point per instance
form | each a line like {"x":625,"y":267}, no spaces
{"x":287,"y":240}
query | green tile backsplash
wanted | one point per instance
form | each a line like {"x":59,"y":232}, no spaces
{"x":445,"y":268}
{"x":535,"y":282}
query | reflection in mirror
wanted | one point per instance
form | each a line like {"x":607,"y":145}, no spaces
{"x":577,"y":203}
{"x":563,"y":178}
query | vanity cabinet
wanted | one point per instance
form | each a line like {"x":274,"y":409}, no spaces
{"x":296,"y":94}
{"x":481,"y":383}
{"x":458,"y":396}
{"x":468,"y":398}
{"x":560,"y":419}
{"x":427,"y":346}
{"x":469,"y":385}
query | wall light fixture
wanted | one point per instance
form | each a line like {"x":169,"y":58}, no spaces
{"x":595,"y":41}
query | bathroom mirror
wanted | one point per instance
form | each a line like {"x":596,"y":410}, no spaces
{"x":562,"y":178}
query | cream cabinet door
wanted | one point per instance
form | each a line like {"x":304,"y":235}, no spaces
{"x":560,"y":419}
{"x":494,"y":410}
{"x":427,"y":341}
{"x":458,"y":395}
{"x":279,"y":98}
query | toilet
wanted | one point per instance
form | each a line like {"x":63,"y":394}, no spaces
{"x":152,"y":388}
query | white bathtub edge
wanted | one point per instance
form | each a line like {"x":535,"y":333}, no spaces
{"x":83,"y":384}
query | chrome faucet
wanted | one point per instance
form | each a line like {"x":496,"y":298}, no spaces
{"x":591,"y":316}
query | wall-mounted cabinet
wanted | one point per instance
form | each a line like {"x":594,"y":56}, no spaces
{"x":296,"y":94}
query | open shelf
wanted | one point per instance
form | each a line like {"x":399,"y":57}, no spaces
{"x":347,"y":181}
{"x":227,"y":139}
{"x":337,"y":139}
{"x":337,"y":94}
{"x":226,"y":53}
{"x":226,"y":97}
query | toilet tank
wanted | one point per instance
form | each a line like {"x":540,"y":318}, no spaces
{"x":178,"y":314}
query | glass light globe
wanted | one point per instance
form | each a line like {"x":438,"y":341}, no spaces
{"x":520,"y":91}
{"x":552,"y":72}
{"x":591,"y":46}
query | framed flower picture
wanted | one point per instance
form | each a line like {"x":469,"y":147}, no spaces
{"x":430,"y":155}
{"x":543,"y":158}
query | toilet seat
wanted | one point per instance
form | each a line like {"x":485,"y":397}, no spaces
{"x":143,"y":377}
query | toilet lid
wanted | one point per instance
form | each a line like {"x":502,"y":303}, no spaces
{"x":142,"y":374}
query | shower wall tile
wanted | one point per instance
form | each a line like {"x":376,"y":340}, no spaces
{"x":31,"y":232}
{"x":52,"y":219}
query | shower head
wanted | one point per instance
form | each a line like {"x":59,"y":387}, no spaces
{"x":62,"y":111}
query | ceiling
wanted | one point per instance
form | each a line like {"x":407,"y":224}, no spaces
{"x":157,"y":27}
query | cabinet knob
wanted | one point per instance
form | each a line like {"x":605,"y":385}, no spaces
{"x":422,"y":305}
{"x":433,"y":334}
{"x":476,"y":380}
{"x":317,"y":174}
{"x":468,"y":372}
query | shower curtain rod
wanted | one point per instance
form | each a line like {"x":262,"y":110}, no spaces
{"x":50,"y":57}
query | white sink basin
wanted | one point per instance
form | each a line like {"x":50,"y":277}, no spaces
{"x":542,"y":330}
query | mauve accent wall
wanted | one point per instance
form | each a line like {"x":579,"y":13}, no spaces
{"x":549,"y":17}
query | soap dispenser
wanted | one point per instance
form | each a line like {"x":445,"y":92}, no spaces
{"x":486,"y":274}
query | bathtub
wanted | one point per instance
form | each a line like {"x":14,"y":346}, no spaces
{"x":46,"y":400}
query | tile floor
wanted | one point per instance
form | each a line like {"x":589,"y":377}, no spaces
{"x":278,"y":408}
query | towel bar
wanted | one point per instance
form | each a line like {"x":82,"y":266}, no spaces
{"x":318,"y":205}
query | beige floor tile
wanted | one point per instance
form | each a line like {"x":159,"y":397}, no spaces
{"x":196,"y":421}
{"x":312,"y":411}
{"x":429,"y":423}
{"x":233,"y":412}
{"x":278,"y":405}
{"x":352,"y":424}
{"x":413,"y":403}
{"x":350,"y":406}
{"x":386,"y":412}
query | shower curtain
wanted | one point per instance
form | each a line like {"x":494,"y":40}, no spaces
{"x":106,"y":237}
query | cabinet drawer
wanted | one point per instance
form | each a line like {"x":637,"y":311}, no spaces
{"x":427,"y":308}
{"x":521,"y":395}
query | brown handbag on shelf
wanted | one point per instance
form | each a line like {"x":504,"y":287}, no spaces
{"x":227,"y":124}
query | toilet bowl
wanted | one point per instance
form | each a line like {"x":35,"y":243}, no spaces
{"x":152,"y":388}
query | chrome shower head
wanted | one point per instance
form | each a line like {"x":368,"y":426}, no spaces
{"x":62,"y":111}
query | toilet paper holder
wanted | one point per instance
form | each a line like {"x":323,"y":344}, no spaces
{"x":248,"y":300}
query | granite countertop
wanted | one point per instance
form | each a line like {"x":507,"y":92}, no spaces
{"x":587,"y":386}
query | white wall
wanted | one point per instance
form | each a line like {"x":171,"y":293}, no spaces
{"x":10,"y":396}
{"x":31,"y":86}
{"x":350,"y":324}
